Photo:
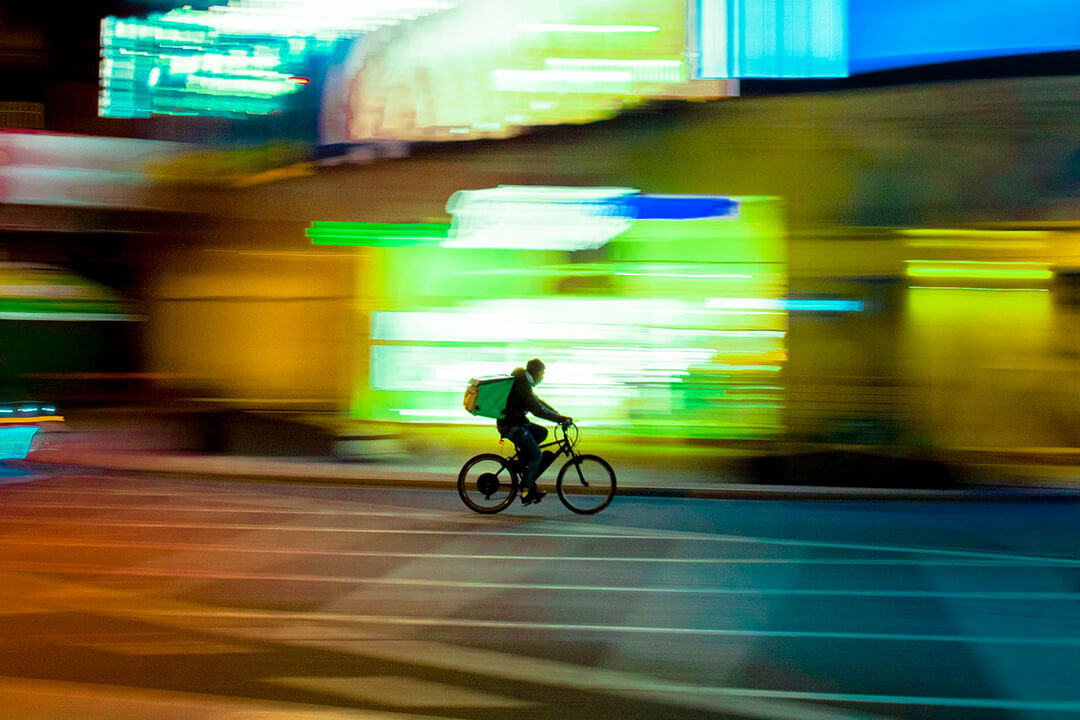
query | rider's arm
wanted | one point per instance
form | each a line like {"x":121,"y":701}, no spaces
{"x":541,"y":409}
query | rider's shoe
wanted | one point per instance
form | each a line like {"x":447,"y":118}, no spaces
{"x":531,"y":497}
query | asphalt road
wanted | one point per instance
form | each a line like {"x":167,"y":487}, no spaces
{"x":138,"y":597}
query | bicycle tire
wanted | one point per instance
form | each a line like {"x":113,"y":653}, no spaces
{"x":582,"y":495}
{"x":468,"y":485}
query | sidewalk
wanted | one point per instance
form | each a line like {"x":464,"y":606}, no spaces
{"x":73,"y":452}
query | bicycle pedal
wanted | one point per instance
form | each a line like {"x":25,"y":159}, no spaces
{"x":532,"y":498}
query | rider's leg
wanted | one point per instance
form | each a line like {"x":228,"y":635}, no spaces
{"x":539,"y":432}
{"x":547,"y":457}
{"x":529,"y":453}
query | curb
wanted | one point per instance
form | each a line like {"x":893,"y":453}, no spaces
{"x":382,"y":477}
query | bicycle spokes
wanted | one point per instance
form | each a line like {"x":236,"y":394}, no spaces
{"x":486,"y":484}
{"x":586,"y":484}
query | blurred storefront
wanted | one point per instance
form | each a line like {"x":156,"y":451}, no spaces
{"x":239,"y":307}
{"x":658,"y":315}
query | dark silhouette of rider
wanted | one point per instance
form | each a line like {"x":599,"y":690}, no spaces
{"x":526,"y":435}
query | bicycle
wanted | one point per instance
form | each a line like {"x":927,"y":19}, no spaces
{"x":488,"y":482}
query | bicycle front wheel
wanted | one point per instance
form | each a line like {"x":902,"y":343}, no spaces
{"x":486,"y":484}
{"x":586,"y":484}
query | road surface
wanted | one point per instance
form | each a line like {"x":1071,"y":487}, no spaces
{"x":139,"y":597}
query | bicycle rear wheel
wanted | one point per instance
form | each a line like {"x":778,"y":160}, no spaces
{"x":586,"y":484}
{"x":486,"y":483}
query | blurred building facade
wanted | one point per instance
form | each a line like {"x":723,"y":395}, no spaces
{"x":239,"y":307}
{"x":197,"y":252}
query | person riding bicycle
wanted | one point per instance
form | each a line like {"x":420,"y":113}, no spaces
{"x":526,"y":435}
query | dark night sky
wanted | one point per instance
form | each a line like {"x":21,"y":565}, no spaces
{"x":71,"y":31}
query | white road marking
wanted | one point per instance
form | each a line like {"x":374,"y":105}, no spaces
{"x":659,"y":690}
{"x":465,"y":623}
{"x":596,"y":535}
{"x":956,"y":702}
{"x":82,"y":489}
{"x":394,"y":691}
{"x":588,"y":678}
{"x":185,"y":574}
{"x":433,"y":515}
{"x":17,"y":540}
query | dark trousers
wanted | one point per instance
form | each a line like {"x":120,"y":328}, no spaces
{"x":527,"y":439}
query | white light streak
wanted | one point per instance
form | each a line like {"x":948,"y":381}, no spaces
{"x":568,"y":28}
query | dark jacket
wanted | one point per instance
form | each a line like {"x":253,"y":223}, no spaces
{"x":522,"y":399}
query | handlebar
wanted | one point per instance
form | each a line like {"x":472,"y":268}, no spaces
{"x":566,"y":427}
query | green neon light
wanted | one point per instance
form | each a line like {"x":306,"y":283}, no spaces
{"x":361,"y":234}
{"x":697,"y":276}
{"x":975,"y":243}
{"x":980,"y":289}
{"x":986,"y":269}
{"x":931,"y":233}
{"x":977,"y":262}
{"x":985,"y":273}
{"x":610,"y":269}
{"x":69,"y":310}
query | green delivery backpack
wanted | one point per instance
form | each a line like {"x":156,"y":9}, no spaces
{"x":486,"y":396}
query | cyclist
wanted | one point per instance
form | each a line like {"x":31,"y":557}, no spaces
{"x":526,"y":435}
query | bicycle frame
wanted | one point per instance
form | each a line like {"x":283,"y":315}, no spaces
{"x":591,"y":490}
{"x":563,"y":443}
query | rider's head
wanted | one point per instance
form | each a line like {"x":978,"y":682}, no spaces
{"x":535,"y":367}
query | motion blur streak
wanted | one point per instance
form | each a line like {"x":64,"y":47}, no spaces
{"x":635,"y":351}
{"x":253,"y":251}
